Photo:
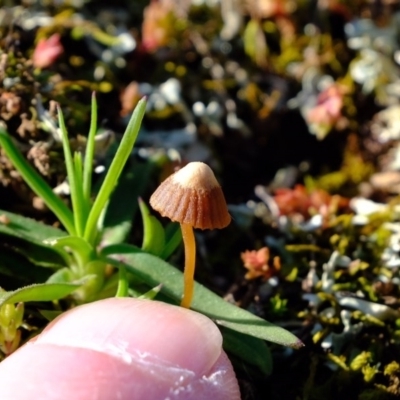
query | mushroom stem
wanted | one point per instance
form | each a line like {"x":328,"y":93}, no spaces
{"x":190,"y":260}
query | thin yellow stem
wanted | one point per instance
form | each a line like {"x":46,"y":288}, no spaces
{"x":190,"y":260}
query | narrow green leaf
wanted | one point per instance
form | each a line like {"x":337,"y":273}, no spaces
{"x":93,"y":279}
{"x":25,"y":235}
{"x":50,"y":315}
{"x":109,"y":288}
{"x":38,"y":292}
{"x":152,"y":293}
{"x":114,"y":172}
{"x":16,"y":270}
{"x":73,"y":184}
{"x":88,"y":286}
{"x":78,"y":168}
{"x":121,"y":208}
{"x":153,"y":231}
{"x":89,"y":153}
{"x":63,"y":275}
{"x":37,"y":183}
{"x":80,"y":248}
{"x":154,"y":271}
{"x":173,"y":238}
{"x":123,"y":285}
{"x":37,"y":254}
{"x":27,"y":228}
{"x":249,"y":349}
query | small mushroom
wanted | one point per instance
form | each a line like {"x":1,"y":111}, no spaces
{"x":192,"y":197}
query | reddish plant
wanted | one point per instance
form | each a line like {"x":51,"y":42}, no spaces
{"x":329,"y":105}
{"x":299,"y":201}
{"x":258,"y":263}
{"x":47,"y":51}
{"x":158,"y":25}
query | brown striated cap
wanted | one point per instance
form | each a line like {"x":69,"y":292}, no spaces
{"x":192,"y":196}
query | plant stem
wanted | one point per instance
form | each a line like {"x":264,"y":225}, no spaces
{"x":190,"y":260}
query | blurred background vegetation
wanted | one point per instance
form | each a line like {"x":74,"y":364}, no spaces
{"x":294,"y":104}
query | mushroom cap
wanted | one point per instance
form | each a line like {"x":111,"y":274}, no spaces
{"x":192,"y":196}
